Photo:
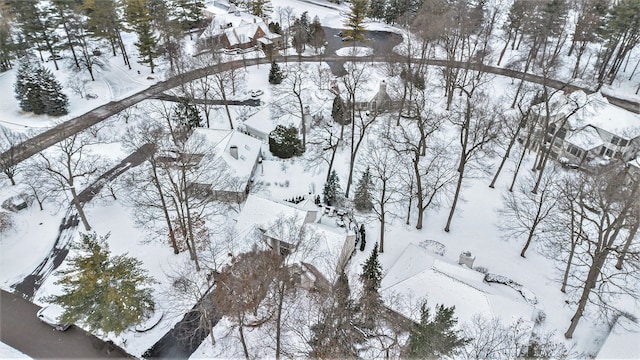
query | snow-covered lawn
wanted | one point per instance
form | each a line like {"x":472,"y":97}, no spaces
{"x":474,"y":225}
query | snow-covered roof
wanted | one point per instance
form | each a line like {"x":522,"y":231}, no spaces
{"x":264,"y":122}
{"x":326,"y":250}
{"x":594,"y":110}
{"x":613,"y":119}
{"x":635,"y":162}
{"x":622,"y":342}
{"x":417,"y":273}
{"x":263,"y":213}
{"x":218,"y":157}
{"x":239,"y":29}
{"x":586,"y":138}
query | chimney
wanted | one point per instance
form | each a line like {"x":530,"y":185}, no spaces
{"x":466,"y":259}
{"x":233,"y":150}
{"x":383,"y":87}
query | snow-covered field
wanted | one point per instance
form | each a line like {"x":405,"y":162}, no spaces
{"x":474,"y":226}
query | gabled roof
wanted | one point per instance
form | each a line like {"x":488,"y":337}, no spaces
{"x":265,"y":122}
{"x":262,"y":213}
{"x":238,"y":29}
{"x":417,"y":273}
{"x":622,"y":342}
{"x":586,"y":138}
{"x":215,"y":145}
{"x":594,"y":110}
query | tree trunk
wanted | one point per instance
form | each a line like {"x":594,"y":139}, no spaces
{"x":382,"y":200}
{"x":504,"y":49}
{"x":224,"y":99}
{"x":165,"y":211}
{"x":242,"y":339}
{"x":627,"y":244}
{"x":281,"y":289}
{"x":506,"y":155}
{"x":78,"y":206}
{"x":589,"y":284}
{"x":457,"y":194}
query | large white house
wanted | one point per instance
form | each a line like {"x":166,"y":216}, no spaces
{"x":586,"y":128}
{"x":226,"y":161}
{"x":320,"y":251}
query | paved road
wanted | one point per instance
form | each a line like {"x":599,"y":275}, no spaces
{"x":21,"y":329}
{"x":54,"y":135}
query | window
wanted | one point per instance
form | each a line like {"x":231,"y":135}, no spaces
{"x":551,"y":128}
{"x":575,"y":151}
{"x":557,"y":142}
{"x":562,"y":132}
{"x":618,"y":141}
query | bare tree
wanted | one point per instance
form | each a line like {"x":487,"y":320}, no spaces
{"x":604,"y":212}
{"x":68,"y":163}
{"x":323,"y":143}
{"x":293,"y":95}
{"x":524,"y":212}
{"x":479,"y":128}
{"x":384,"y":167}
{"x":8,"y":161}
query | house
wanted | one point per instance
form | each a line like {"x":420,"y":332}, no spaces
{"x":238,"y":31}
{"x":319,"y":251}
{"x":587,"y":127}
{"x":226,"y":163}
{"x":622,"y":341}
{"x":379,"y":102}
{"x":263,"y":122}
{"x":418,"y":274}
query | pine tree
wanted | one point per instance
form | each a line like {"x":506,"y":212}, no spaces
{"x":139,"y":16}
{"x":362,"y":197}
{"x":354,"y":23}
{"x":316,"y":34}
{"x":190,"y":13}
{"x":275,"y":74}
{"x":54,"y":101}
{"x":105,"y":292}
{"x":261,"y":8}
{"x":284,"y":142}
{"x":435,"y":338}
{"x":38,"y":90}
{"x":331,"y":189}
{"x":186,"y":114}
{"x":27,"y":88}
{"x":337,"y":111}
{"x":371,"y":277}
{"x":377,"y":9}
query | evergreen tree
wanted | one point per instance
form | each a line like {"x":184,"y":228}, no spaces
{"x":38,"y":90}
{"x":275,"y":74}
{"x":27,"y":88}
{"x":362,"y":197}
{"x":284,"y":142}
{"x":371,"y":277}
{"x":331,"y":189}
{"x":336,"y":335}
{"x":435,"y":338}
{"x":186,"y":114}
{"x":105,"y":292}
{"x":139,"y":16}
{"x":377,"y":9}
{"x":316,"y":34}
{"x":54,"y":101}
{"x":337,"y":111}
{"x":354,"y":23}
{"x":190,"y":13}
{"x":261,"y":8}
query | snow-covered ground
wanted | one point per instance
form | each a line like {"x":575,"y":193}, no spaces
{"x":474,"y":225}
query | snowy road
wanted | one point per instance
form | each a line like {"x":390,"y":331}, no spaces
{"x":21,"y":329}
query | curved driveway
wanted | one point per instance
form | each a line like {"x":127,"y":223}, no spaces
{"x":54,"y":135}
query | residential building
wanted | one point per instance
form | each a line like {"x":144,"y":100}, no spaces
{"x":226,"y":162}
{"x":585,"y":128}
{"x":238,"y":31}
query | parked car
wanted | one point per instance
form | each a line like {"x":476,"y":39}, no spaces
{"x":347,"y":38}
{"x":51,"y":315}
{"x":256,"y":93}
